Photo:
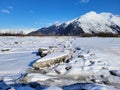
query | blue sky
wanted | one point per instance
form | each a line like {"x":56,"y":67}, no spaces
{"x":41,"y":13}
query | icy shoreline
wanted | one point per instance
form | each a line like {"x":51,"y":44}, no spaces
{"x":100,"y":55}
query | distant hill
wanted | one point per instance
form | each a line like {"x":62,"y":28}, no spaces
{"x":90,"y":23}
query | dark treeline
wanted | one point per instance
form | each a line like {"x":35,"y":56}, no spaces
{"x":101,"y":34}
{"x":13,"y":34}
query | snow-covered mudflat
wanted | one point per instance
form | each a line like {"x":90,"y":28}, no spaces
{"x":93,"y":60}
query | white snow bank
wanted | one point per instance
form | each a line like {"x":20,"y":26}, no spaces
{"x":34,"y":77}
{"x":53,"y":56}
{"x":53,"y":88}
{"x":52,"y":59}
{"x":21,"y":55}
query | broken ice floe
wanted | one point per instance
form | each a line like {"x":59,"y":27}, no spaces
{"x":73,"y":63}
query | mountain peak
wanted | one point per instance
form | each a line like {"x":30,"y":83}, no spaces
{"x":91,"y":22}
{"x":91,"y":13}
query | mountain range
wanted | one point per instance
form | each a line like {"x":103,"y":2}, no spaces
{"x":90,"y":23}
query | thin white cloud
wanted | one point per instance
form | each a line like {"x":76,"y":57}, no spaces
{"x":10,"y":7}
{"x":85,"y":1}
{"x":5,"y":11}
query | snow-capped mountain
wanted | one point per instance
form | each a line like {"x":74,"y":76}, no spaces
{"x":91,"y":23}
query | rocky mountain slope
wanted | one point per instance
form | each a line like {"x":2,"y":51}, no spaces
{"x":90,"y":23}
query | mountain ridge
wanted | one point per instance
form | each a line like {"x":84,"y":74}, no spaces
{"x":90,"y":23}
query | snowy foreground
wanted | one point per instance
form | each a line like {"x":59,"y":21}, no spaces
{"x":63,"y":63}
